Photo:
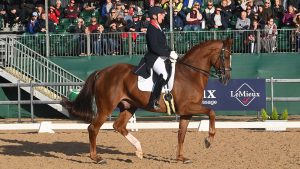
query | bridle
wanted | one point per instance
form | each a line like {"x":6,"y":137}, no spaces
{"x":219,"y":72}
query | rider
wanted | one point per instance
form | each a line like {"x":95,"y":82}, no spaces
{"x":158,"y":52}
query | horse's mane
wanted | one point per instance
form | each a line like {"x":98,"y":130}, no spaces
{"x":199,"y":45}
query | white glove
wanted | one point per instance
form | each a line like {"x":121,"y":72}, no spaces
{"x":173,"y":55}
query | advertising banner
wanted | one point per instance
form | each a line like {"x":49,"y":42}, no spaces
{"x":239,"y":94}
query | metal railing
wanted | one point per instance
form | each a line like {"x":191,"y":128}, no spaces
{"x":134,"y":43}
{"x":29,"y":66}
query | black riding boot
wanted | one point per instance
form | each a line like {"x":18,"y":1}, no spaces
{"x":156,"y":91}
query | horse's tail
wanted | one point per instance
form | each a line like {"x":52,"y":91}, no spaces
{"x":82,"y":106}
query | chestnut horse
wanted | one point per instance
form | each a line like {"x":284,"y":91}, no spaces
{"x":116,"y":86}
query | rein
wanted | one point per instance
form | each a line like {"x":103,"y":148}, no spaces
{"x":219,"y":72}
{"x":198,"y":69}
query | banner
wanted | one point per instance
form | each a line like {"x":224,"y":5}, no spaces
{"x":239,"y":94}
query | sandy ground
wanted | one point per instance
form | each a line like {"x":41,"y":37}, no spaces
{"x":233,"y":148}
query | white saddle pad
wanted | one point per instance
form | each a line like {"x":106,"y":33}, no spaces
{"x":147,"y":84}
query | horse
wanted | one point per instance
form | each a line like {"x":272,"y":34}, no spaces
{"x":116,"y":86}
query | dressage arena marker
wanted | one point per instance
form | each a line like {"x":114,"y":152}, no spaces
{"x":203,"y":125}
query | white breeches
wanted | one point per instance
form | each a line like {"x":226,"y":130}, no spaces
{"x":159,"y":67}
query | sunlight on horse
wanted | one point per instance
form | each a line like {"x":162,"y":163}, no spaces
{"x":116,"y":86}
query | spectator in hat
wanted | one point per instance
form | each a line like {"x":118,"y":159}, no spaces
{"x":33,"y":24}
{"x":144,"y":23}
{"x":134,"y":26}
{"x":193,"y":20}
{"x":177,"y":21}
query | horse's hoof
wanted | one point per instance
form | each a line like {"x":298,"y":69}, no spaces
{"x":101,"y":162}
{"x":207,"y":143}
{"x":187,"y":161}
{"x":139,"y":154}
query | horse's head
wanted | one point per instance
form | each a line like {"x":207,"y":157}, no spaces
{"x":222,"y":63}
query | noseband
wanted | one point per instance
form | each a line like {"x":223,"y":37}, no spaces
{"x":219,"y":72}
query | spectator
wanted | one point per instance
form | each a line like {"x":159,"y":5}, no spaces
{"x":79,"y":37}
{"x":63,"y":3}
{"x":54,"y":15}
{"x":127,"y":17}
{"x":33,"y":25}
{"x":42,"y":24}
{"x":262,"y":17}
{"x":106,"y":8}
{"x":72,"y":11}
{"x":268,"y":11}
{"x":243,"y":23}
{"x":39,"y":10}
{"x":100,"y":42}
{"x":193,"y":20}
{"x":93,"y":27}
{"x":59,"y":7}
{"x":111,"y":18}
{"x":250,"y":13}
{"x":278,"y":11}
{"x":144,"y":23}
{"x":268,"y":41}
{"x":121,"y":23}
{"x":220,"y":20}
{"x":288,"y":16}
{"x":13,"y":18}
{"x":119,"y":9}
{"x":208,"y":14}
{"x":177,"y":5}
{"x":177,"y":21}
{"x":89,"y":6}
{"x":3,"y":15}
{"x":26,"y":9}
{"x":251,"y":42}
{"x":134,"y":26}
{"x":189,"y":3}
{"x":112,"y":39}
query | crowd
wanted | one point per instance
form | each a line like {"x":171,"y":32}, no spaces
{"x":98,"y":16}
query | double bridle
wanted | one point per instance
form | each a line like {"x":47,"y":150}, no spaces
{"x":219,"y":72}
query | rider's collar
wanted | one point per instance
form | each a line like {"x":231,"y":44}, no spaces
{"x":155,"y":24}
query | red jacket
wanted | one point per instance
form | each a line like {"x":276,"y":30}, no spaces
{"x":54,"y":16}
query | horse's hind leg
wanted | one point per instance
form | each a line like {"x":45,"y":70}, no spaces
{"x":120,"y":126}
{"x":93,"y":129}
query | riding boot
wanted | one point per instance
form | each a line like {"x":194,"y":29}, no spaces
{"x":155,"y":94}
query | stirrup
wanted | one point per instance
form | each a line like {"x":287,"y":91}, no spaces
{"x":155,"y":105}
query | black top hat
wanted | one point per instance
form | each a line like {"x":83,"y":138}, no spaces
{"x":155,"y":10}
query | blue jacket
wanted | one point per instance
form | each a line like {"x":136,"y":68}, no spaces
{"x":186,"y":2}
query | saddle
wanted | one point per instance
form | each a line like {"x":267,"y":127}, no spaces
{"x":147,"y":78}
{"x":147,"y":83}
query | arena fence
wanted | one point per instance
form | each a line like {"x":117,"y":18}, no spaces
{"x":29,"y":66}
{"x":70,"y":86}
{"x":134,"y":43}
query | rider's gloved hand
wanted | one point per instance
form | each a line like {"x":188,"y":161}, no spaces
{"x":173,"y":56}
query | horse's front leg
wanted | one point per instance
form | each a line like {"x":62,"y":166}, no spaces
{"x":199,"y":109}
{"x":183,"y":124}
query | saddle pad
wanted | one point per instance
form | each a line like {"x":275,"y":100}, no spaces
{"x":147,"y":84}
